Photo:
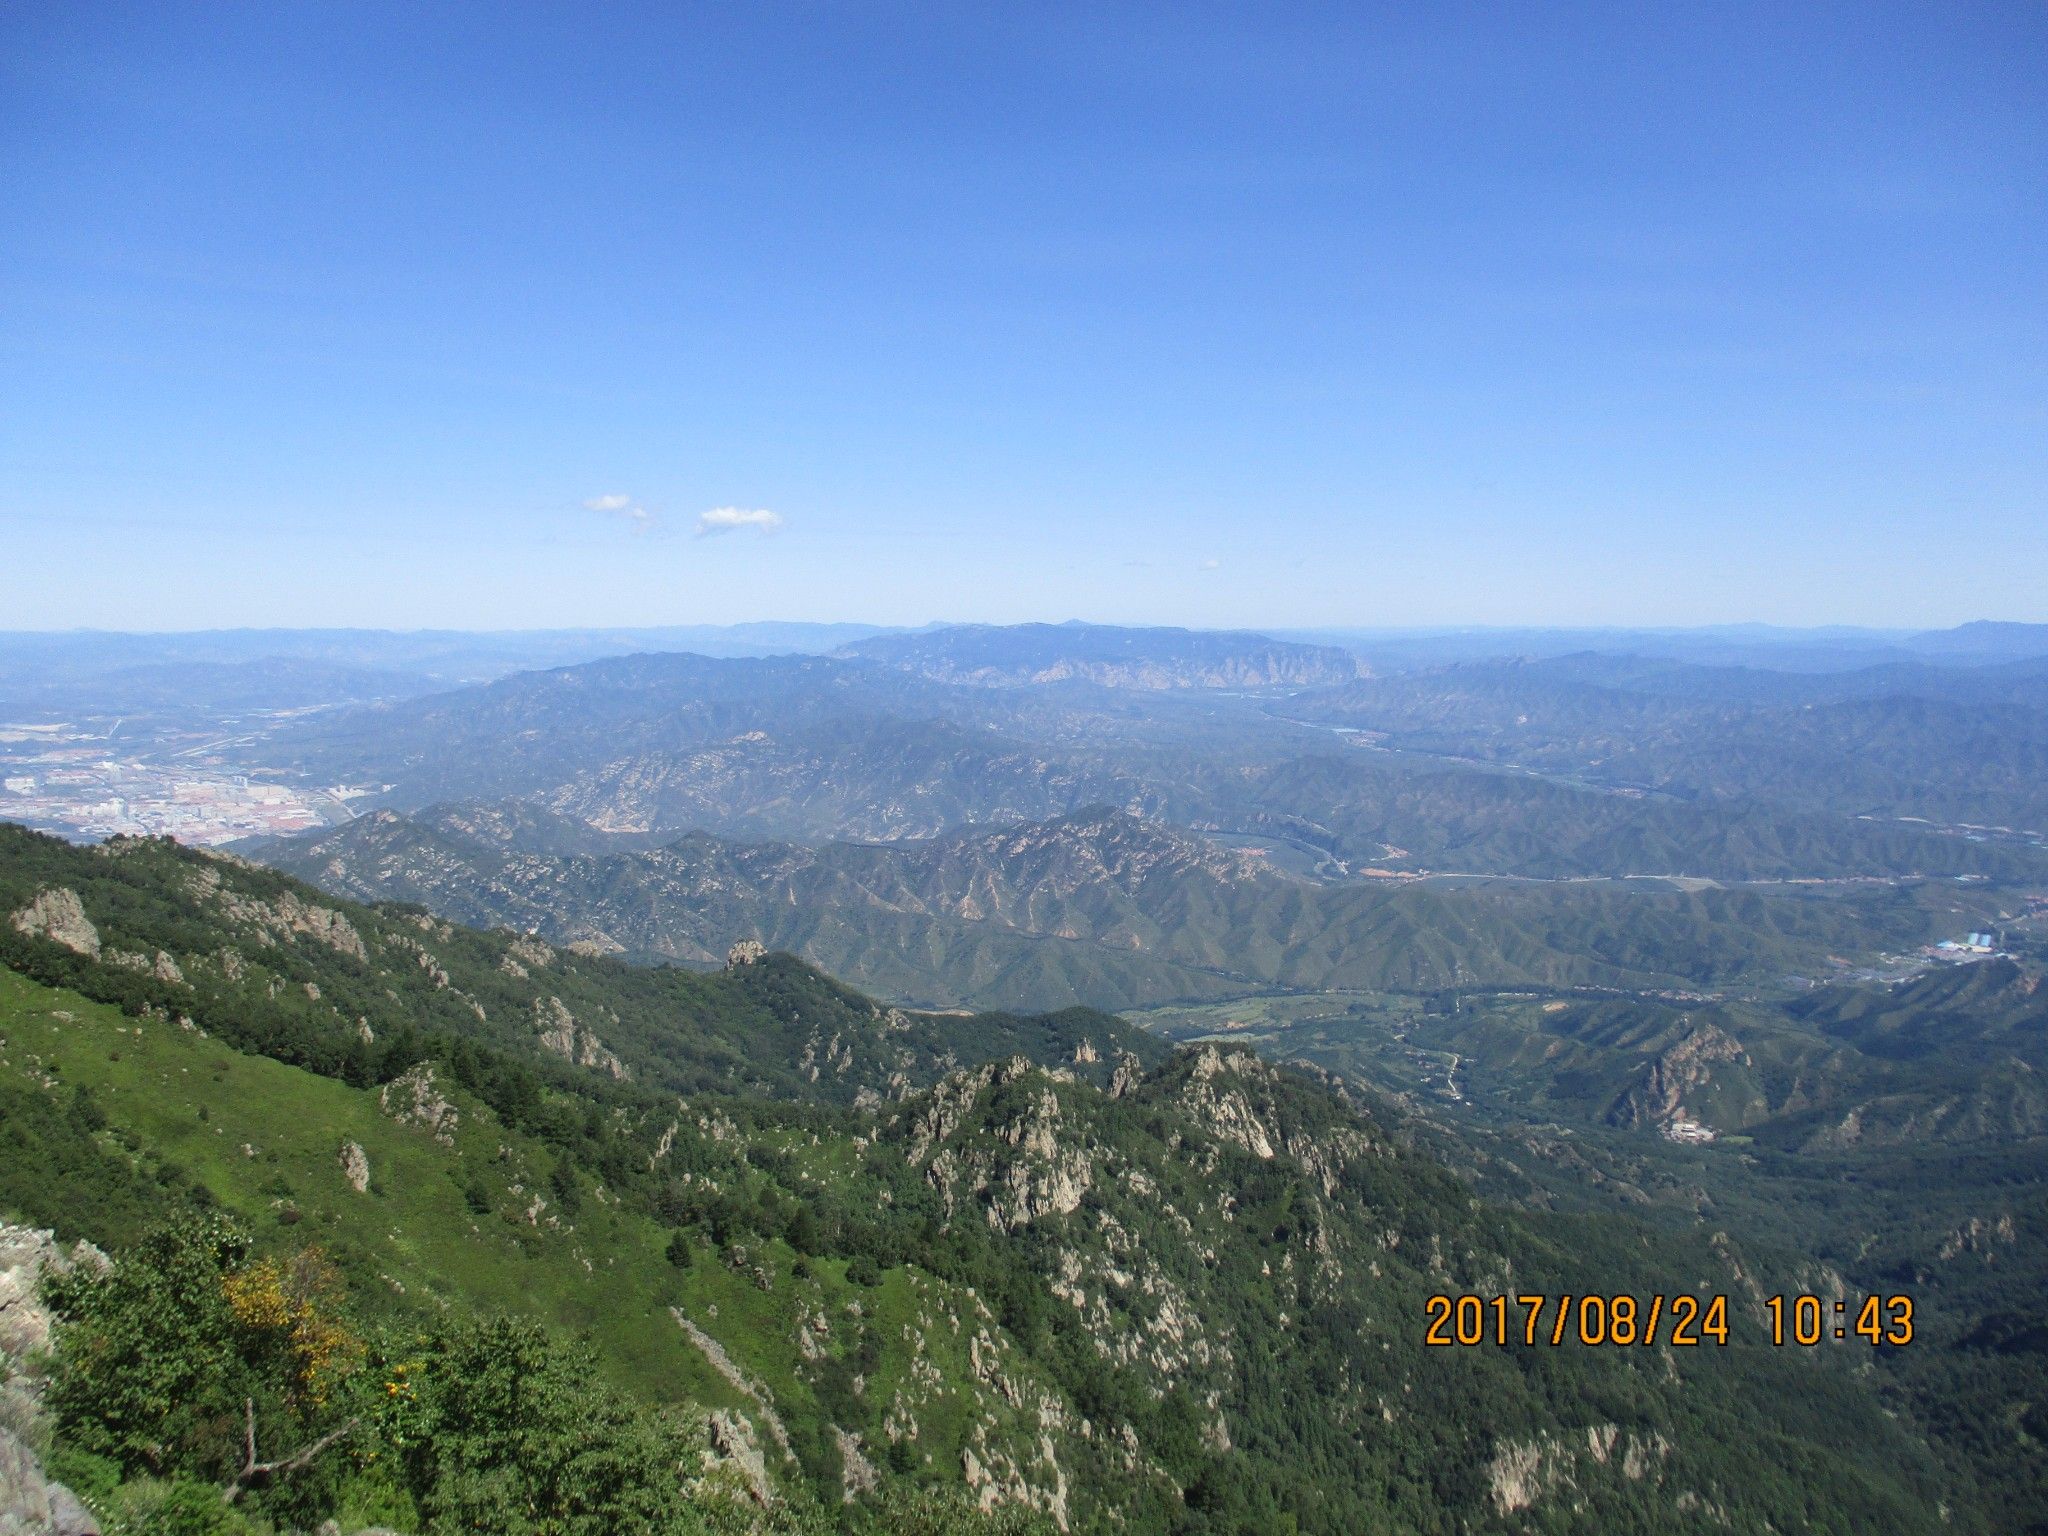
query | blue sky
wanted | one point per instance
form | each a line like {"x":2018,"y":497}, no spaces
{"x":1269,"y":315}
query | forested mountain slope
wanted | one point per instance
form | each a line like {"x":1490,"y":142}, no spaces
{"x":1947,"y":755}
{"x":814,"y":1244}
{"x":1096,"y":906}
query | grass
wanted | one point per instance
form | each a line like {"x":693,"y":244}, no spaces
{"x":265,"y":1139}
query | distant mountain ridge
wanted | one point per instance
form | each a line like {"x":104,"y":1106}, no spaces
{"x":1096,"y":906}
{"x":815,"y":748}
{"x":1976,"y":751}
{"x":1017,"y":655}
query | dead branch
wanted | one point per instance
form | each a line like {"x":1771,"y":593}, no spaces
{"x":256,"y":1473}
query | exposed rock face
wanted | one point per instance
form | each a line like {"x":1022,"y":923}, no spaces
{"x":1523,"y":1473}
{"x":561,"y":1033}
{"x":733,"y":1440}
{"x":950,"y":1100}
{"x":413,"y":1100}
{"x":857,"y":1475}
{"x":1045,"y":1179}
{"x":1660,"y":1097}
{"x":1979,"y":1236}
{"x":58,"y":915}
{"x":1223,"y":1107}
{"x":32,"y":1505}
{"x":530,"y":951}
{"x":163,"y":967}
{"x":355,"y":1167}
{"x":25,"y":1253}
{"x":745,"y":952}
{"x":727,"y":1367}
{"x":425,"y":958}
{"x":287,"y":917}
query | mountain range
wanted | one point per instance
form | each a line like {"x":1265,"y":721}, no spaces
{"x":1097,"y":905}
{"x":1019,"y":654}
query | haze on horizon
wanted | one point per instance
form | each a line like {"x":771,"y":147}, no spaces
{"x":359,"y":315}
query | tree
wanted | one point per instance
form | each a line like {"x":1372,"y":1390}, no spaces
{"x":502,"y":1427}
{"x":147,"y":1359}
{"x":168,"y":1361}
{"x":563,"y":1183}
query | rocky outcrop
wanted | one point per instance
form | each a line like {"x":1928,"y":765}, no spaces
{"x":355,"y":1167}
{"x":1213,"y":1093}
{"x":289,"y":917}
{"x":412,"y":1099}
{"x":857,"y":1475}
{"x":733,"y":1441}
{"x":424,"y":958}
{"x":562,"y":1034}
{"x":528,"y":950}
{"x":1979,"y":1236}
{"x":746,"y":1386}
{"x":1044,"y":1178}
{"x":948,"y":1103}
{"x":745,"y":952}
{"x":26,"y":1253}
{"x":58,"y":915}
{"x":1525,"y":1473}
{"x":32,"y":1505}
{"x":163,"y":967}
{"x":1659,"y":1099}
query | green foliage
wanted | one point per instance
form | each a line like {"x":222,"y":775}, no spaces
{"x":942,"y":1512}
{"x":465,"y":1001}
{"x":499,"y":1427}
{"x":56,"y":1170}
{"x":186,"y":1508}
{"x":562,"y":1184}
{"x":150,"y":1373}
{"x":92,"y":1478}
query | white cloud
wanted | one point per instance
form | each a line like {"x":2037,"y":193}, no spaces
{"x":726,"y":519}
{"x":1212,"y":565}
